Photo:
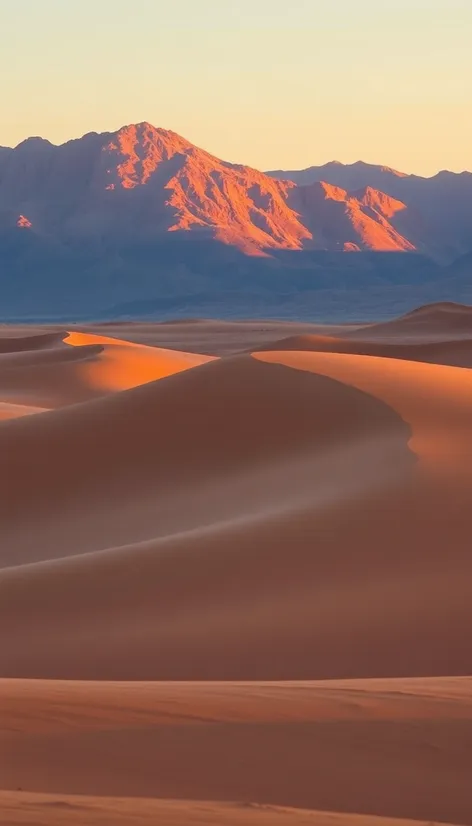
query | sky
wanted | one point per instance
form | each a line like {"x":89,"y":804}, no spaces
{"x":275,"y":84}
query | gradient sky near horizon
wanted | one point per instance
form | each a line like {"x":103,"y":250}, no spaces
{"x":270,"y":83}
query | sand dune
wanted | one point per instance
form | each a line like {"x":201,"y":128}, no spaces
{"x":189,"y":436}
{"x":212,"y":337}
{"x":178,"y":502}
{"x":124,"y":364}
{"x":442,"y":321}
{"x":456,"y":352}
{"x":230,"y":521}
{"x":54,"y":369}
{"x":300,"y":511}
{"x":437,"y":334}
{"x":29,"y":342}
{"x":432,"y":324}
{"x":434,"y":400}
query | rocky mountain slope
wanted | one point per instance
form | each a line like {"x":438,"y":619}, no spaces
{"x":142,"y":222}
{"x":142,"y":182}
{"x":443,"y":203}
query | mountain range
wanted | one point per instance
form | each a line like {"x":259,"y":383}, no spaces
{"x":143,"y":218}
{"x":442,"y":203}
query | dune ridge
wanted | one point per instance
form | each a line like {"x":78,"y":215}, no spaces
{"x":61,"y":368}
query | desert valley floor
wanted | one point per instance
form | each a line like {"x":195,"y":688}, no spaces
{"x":236,"y":573}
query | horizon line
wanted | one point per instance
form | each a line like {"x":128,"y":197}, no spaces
{"x":331,"y":162}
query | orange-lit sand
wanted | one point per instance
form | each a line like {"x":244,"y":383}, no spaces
{"x":56,"y":369}
{"x":298,"y":515}
{"x":122,"y":364}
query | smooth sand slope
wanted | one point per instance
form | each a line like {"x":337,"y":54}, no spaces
{"x":53,"y":369}
{"x":434,"y":322}
{"x":299,"y":511}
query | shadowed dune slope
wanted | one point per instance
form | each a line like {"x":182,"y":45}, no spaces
{"x":445,"y":320}
{"x":222,"y":475}
{"x":435,"y":400}
{"x":186,"y":435}
{"x":25,"y":343}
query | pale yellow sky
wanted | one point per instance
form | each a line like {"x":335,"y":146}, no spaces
{"x":270,"y":83}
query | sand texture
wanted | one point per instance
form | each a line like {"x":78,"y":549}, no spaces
{"x":235,"y":573}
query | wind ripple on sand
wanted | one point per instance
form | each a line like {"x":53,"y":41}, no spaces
{"x":23,"y":809}
{"x":387,"y":748}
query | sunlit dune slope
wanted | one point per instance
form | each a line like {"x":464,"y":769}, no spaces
{"x":123,"y":365}
{"x":44,"y":371}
